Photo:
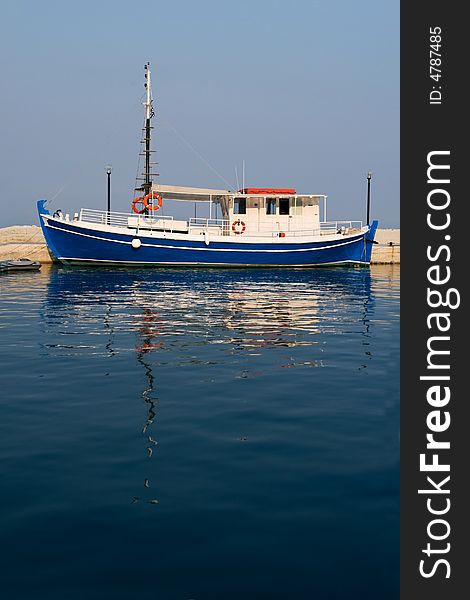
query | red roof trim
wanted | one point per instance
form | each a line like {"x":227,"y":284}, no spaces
{"x":268,"y":191}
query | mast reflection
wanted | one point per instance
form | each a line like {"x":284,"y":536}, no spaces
{"x":148,"y":330}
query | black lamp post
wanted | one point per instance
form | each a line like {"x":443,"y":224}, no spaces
{"x":108,"y":173}
{"x":369,"y":177}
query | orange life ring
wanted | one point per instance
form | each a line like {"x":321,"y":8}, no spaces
{"x":236,"y":224}
{"x":135,"y":202}
{"x":153,"y":196}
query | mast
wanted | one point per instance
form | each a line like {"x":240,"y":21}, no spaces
{"x":146,"y":187}
{"x":148,"y":118}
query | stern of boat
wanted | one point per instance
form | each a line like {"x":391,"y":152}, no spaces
{"x":369,"y":241}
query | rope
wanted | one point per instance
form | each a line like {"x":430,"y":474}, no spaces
{"x":41,"y":246}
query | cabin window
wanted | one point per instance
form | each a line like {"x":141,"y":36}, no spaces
{"x":239,"y":206}
{"x":296,"y":206}
{"x":284,"y":206}
{"x":270,"y":206}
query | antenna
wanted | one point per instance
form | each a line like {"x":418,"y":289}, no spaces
{"x":243,"y":176}
{"x":236,"y":175}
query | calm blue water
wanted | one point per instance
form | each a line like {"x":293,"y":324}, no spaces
{"x":199,"y":434}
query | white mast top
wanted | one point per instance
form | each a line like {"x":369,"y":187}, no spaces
{"x":148,"y":101}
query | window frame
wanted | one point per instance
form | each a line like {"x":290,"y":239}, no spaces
{"x":283,"y":202}
{"x":271,"y":203}
{"x":237,"y":201}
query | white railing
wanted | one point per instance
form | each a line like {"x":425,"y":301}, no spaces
{"x":103,"y":217}
{"x":326,"y":228}
{"x":298,"y":233}
{"x":220,"y":226}
{"x":329,"y":227}
{"x":118,"y":219}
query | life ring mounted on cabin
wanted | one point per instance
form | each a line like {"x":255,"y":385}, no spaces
{"x":238,"y":227}
{"x":153,"y":196}
{"x":135,"y":205}
{"x":142,"y":205}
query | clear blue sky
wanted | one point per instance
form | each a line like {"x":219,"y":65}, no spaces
{"x":306,"y":92}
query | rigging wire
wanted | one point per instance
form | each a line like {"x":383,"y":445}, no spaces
{"x":189,"y":145}
{"x":198,"y":154}
{"x":58,"y":192}
{"x":136,"y":179}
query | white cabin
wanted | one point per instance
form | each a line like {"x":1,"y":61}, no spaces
{"x":252,"y":211}
{"x":274,"y":213}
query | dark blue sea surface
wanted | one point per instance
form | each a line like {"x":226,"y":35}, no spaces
{"x":199,"y":434}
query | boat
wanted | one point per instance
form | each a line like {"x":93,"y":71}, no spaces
{"x":22,"y":264}
{"x":249,"y":227}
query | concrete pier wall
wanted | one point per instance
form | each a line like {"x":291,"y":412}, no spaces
{"x":27,"y":241}
{"x":387,"y":250}
{"x":23,"y":241}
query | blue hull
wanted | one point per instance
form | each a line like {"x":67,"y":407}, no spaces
{"x":70,"y":243}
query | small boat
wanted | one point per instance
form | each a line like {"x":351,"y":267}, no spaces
{"x":250,"y":227}
{"x":23,"y":264}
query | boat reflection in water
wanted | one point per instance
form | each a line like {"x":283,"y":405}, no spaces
{"x":246,"y":311}
{"x":243,"y":308}
{"x":251,"y":323}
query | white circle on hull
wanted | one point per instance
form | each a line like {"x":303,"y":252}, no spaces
{"x":136,"y":243}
